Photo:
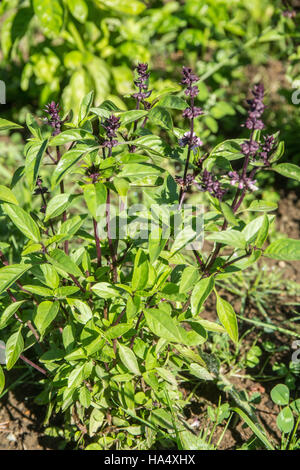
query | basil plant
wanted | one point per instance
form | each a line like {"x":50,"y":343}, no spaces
{"x":117,"y":228}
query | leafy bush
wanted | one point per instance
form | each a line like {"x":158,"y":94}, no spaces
{"x":104,"y":277}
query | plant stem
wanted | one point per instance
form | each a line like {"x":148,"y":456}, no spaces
{"x":110,"y":243}
{"x":97,"y":240}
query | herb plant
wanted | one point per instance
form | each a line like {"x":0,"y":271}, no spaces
{"x":104,"y":276}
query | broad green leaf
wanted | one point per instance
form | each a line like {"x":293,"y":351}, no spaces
{"x":6,"y":125}
{"x":173,"y":102}
{"x":57,"y":205}
{"x":14,"y":347}
{"x":140,"y":170}
{"x":183,"y":238}
{"x":76,"y":376}
{"x":228,"y":214}
{"x":86,"y":313}
{"x":285,"y":420}
{"x":95,"y":196}
{"x":106,"y":290}
{"x":65,"y":165}
{"x":262,"y":206}
{"x":69,"y":136}
{"x":6,"y":195}
{"x":39,"y":290}
{"x":79,"y":9}
{"x":129,"y":7}
{"x":262,"y":233}
{"x":280,"y":394}
{"x":251,"y":230}
{"x":140,"y":271}
{"x":50,"y":15}
{"x":211,"y":326}
{"x":161,"y":117}
{"x":88,"y":99}
{"x":200,"y":372}
{"x":229,"y":237}
{"x":9,"y":312}
{"x":34,"y":154}
{"x":23,"y":221}
{"x":188,"y":279}
{"x":10,"y":274}
{"x":2,"y":380}
{"x":200,"y":293}
{"x":46,"y":313}
{"x":286,"y":249}
{"x":129,"y":359}
{"x":289,"y":170}
{"x":230,"y":149}
{"x":164,"y":326}
{"x":62,"y":261}
{"x":85,"y":395}
{"x":228,"y":319}
{"x":117,"y":330}
{"x":133,"y":115}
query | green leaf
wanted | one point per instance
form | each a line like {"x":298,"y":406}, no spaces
{"x":7,"y":125}
{"x":79,"y":9}
{"x":9,"y":312}
{"x":200,"y":293}
{"x":261,"y":436}
{"x":228,"y":319}
{"x":286,"y":249}
{"x":50,"y":16}
{"x":289,"y":170}
{"x":106,"y":290}
{"x":2,"y":380}
{"x":140,"y":271}
{"x":62,"y":261}
{"x":23,"y":221}
{"x":229,"y":149}
{"x":183,"y":238}
{"x":140,"y":170}
{"x":285,"y":420}
{"x":251,"y":230}
{"x":39,"y":290}
{"x":34,"y":154}
{"x":46,"y":313}
{"x":86,"y":313}
{"x":6,"y":195}
{"x":117,"y":330}
{"x":76,"y":376}
{"x":14,"y":347}
{"x":228,"y":214}
{"x":173,"y":102}
{"x":10,"y":274}
{"x":262,"y":233}
{"x":133,"y":115}
{"x":69,"y":136}
{"x":229,"y":237}
{"x":87,"y":100}
{"x":95,"y":196}
{"x":57,"y":205}
{"x":280,"y":394}
{"x":65,"y":165}
{"x":188,"y":279}
{"x":200,"y":372}
{"x":161,"y":117}
{"x":129,"y":360}
{"x":262,"y":206}
{"x":129,"y":7}
{"x":85,"y":395}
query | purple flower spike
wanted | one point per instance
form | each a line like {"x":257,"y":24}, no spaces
{"x":192,"y":112}
{"x":250,"y":147}
{"x":211,"y":185}
{"x":256,"y":108}
{"x":268,"y":146}
{"x":193,"y":141}
{"x":54,"y":119}
{"x":142,"y":83}
{"x":111,"y":125}
{"x":242,"y":182}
